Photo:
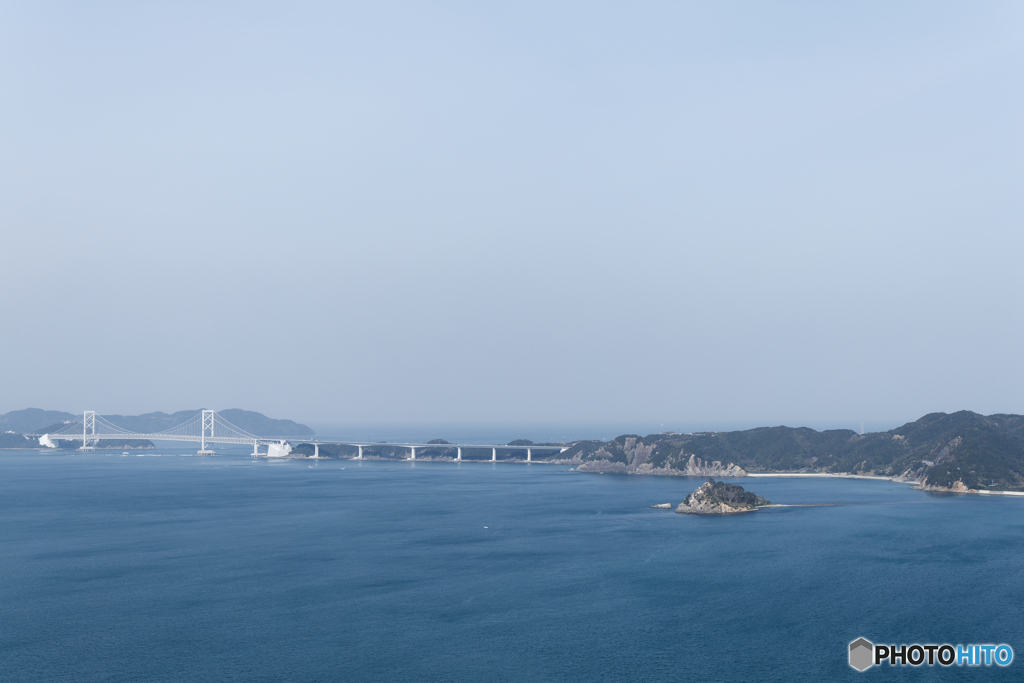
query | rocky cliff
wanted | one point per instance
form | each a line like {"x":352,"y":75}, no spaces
{"x":631,"y":455}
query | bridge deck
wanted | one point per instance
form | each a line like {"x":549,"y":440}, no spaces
{"x":262,"y":441}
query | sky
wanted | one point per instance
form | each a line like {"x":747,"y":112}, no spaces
{"x":597,"y":214}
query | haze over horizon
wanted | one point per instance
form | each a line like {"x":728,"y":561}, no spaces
{"x":703,"y":216}
{"x":501,"y":432}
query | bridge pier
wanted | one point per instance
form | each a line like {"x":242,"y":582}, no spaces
{"x":494,"y":454}
{"x":360,"y":456}
{"x":255,"y":448}
{"x":529,"y":455}
{"x":316,"y":450}
{"x":412,"y":449}
{"x":459,"y":458}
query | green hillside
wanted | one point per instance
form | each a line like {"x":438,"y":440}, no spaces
{"x":938,"y":450}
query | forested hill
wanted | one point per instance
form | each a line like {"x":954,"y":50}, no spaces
{"x":30,"y":419}
{"x":962,"y":450}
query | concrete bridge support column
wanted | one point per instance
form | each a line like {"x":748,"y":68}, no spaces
{"x":360,"y":456}
{"x":494,"y":454}
{"x":316,"y":450}
{"x":529,"y":455}
{"x":255,"y":448}
{"x":412,"y":449}
{"x":459,"y":458}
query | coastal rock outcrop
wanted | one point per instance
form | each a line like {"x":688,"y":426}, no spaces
{"x":718,"y":498}
{"x":957,"y":486}
{"x":695,"y":467}
{"x":635,"y":459}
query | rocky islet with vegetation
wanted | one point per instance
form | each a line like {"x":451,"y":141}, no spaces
{"x":719,"y":498}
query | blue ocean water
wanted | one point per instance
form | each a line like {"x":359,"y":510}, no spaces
{"x":179,"y":568}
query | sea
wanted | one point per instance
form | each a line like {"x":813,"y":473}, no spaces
{"x":164,"y":566}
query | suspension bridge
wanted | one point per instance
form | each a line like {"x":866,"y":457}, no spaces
{"x":207,"y":427}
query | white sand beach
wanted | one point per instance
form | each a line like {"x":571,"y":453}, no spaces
{"x":870,"y":476}
{"x":827,"y":474}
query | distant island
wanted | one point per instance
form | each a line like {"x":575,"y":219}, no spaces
{"x":36,"y":421}
{"x":718,"y":498}
{"x":21,"y":427}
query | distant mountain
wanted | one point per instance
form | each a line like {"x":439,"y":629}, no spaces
{"x":27,"y":421}
{"x":959,"y":451}
{"x":261,"y":425}
{"x":149,"y":423}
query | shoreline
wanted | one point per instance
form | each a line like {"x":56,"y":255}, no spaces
{"x":999,"y":493}
{"x":833,"y":475}
{"x":917,"y":484}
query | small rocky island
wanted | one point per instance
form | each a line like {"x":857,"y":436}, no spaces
{"x":718,"y":498}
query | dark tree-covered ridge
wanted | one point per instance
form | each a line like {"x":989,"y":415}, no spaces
{"x":962,"y":450}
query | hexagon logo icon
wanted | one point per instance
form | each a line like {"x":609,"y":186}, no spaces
{"x":861,"y":654}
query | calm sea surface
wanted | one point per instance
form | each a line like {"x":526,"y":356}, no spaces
{"x":177,"y":568}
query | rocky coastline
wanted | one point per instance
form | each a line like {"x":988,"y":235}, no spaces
{"x":638,"y":461}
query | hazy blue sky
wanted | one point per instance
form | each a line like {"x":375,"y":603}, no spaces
{"x":567,"y":213}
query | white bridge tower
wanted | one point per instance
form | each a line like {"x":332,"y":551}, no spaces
{"x":88,"y":430}
{"x":208,"y":421}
